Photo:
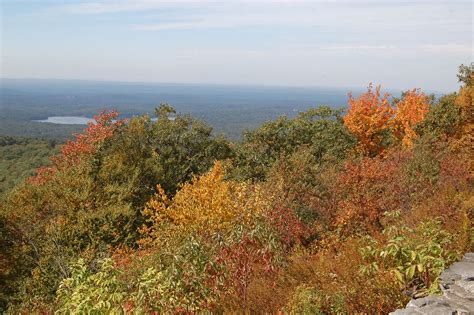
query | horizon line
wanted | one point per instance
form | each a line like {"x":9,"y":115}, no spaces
{"x":245,"y":85}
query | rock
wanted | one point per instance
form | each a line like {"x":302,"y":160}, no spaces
{"x":457,"y":285}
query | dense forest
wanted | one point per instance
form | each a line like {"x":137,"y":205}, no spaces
{"x":331,"y":211}
{"x":20,"y":157}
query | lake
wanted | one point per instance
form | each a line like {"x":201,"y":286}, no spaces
{"x":74,"y":120}
{"x":66,"y":120}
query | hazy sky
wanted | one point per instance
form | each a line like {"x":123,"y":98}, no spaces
{"x":400,"y":44}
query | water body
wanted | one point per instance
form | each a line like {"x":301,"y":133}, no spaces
{"x":74,"y":120}
{"x":66,"y":120}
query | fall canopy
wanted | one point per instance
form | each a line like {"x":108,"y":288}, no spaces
{"x":322,"y":213}
{"x":367,"y":118}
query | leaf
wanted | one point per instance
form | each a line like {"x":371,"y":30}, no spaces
{"x":420,"y":267}
{"x":411,"y":272}
{"x":398,"y":275}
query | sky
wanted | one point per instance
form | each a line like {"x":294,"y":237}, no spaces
{"x":339,"y":43}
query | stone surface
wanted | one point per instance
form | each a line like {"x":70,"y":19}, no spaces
{"x":457,"y":284}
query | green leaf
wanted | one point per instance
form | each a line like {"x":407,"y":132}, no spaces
{"x":411,"y":272}
{"x":398,"y":275}
{"x":420,"y":267}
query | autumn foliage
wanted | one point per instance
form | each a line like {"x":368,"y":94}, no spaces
{"x":465,"y":103}
{"x":207,"y":204}
{"x":84,"y":144}
{"x":371,"y":187}
{"x":319,"y":214}
{"x":367,"y":118}
{"x":410,"y":111}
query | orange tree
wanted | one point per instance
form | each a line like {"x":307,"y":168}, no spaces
{"x":465,"y":103}
{"x":410,"y":111}
{"x":367,"y":118}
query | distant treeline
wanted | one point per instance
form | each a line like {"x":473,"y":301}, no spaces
{"x":228,"y":109}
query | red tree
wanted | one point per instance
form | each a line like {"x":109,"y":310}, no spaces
{"x":84,"y":144}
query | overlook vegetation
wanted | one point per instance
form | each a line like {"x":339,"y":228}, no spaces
{"x":328,"y":212}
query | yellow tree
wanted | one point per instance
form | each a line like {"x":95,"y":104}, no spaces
{"x":410,"y":111}
{"x":367,"y":118}
{"x":206,"y":204}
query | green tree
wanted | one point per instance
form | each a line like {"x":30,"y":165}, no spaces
{"x":167,"y":152}
{"x":442,"y":119}
{"x":321,"y":129}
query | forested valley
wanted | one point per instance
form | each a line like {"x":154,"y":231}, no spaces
{"x":347,"y":211}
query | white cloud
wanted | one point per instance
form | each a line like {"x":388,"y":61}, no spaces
{"x":116,"y":6}
{"x":173,"y":26}
{"x":123,"y":6}
{"x":358,"y":48}
{"x":226,"y":19}
{"x":412,"y":19}
{"x":448,"y":49}
{"x":113,"y":6}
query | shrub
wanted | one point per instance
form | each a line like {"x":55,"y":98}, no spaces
{"x":416,"y":257}
{"x":86,"y":292}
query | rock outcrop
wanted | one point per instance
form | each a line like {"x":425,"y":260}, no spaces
{"x":457,"y":284}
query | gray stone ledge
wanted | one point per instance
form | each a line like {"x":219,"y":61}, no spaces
{"x":457,"y":285}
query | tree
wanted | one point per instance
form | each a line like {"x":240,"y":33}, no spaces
{"x":442,"y":119}
{"x":368,"y":188}
{"x":84,"y":145}
{"x":367,"y":118}
{"x":465,"y":103}
{"x":207,"y":204}
{"x":167,"y":152}
{"x":465,"y":74}
{"x":410,"y":111}
{"x":321,"y":129}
